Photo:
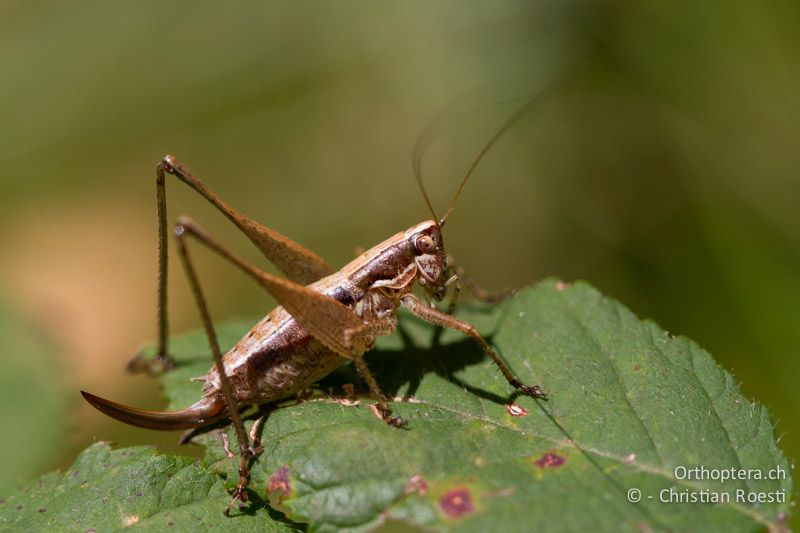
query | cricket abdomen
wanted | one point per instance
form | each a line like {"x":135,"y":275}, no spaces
{"x":275,"y":360}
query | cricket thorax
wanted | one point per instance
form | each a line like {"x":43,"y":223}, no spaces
{"x":394,"y":264}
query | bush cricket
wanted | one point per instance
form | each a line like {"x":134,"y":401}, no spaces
{"x":324,"y":318}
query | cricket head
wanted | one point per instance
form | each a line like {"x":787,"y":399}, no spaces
{"x":430,"y":257}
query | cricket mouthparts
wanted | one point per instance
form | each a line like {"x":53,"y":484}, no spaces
{"x":206,"y":411}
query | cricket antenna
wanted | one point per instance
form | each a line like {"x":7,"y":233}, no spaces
{"x":534,"y":101}
{"x":418,"y":177}
{"x":433,"y":131}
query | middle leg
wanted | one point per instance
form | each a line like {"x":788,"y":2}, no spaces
{"x":369,"y":330}
{"x":413,"y":304}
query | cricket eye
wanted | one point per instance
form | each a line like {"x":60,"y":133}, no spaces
{"x":424,"y":244}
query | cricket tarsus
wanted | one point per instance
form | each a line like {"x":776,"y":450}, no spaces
{"x":153,"y":365}
{"x":324,"y":320}
{"x":534,"y":391}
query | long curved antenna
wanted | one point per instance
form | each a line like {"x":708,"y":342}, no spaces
{"x":418,"y":177}
{"x":537,"y":99}
{"x":434,"y":130}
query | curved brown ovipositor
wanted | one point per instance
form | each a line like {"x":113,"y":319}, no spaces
{"x":206,"y":411}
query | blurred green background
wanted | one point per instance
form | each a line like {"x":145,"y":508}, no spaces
{"x":665,"y":173}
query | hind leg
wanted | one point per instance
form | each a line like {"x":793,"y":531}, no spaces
{"x":246,"y":453}
{"x":296,"y":261}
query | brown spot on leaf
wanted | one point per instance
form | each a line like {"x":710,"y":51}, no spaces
{"x":550,"y":460}
{"x":279,"y":483}
{"x":457,"y":502}
{"x":562,"y":285}
{"x":516,"y":410}
{"x":42,"y":510}
{"x":637,"y":367}
{"x":416,"y":484}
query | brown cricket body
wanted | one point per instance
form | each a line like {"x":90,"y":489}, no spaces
{"x":277,"y":358}
{"x":325,"y":318}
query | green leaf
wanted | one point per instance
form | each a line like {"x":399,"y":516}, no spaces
{"x":629,"y":404}
{"x":31,"y":388}
{"x":108,"y":490}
